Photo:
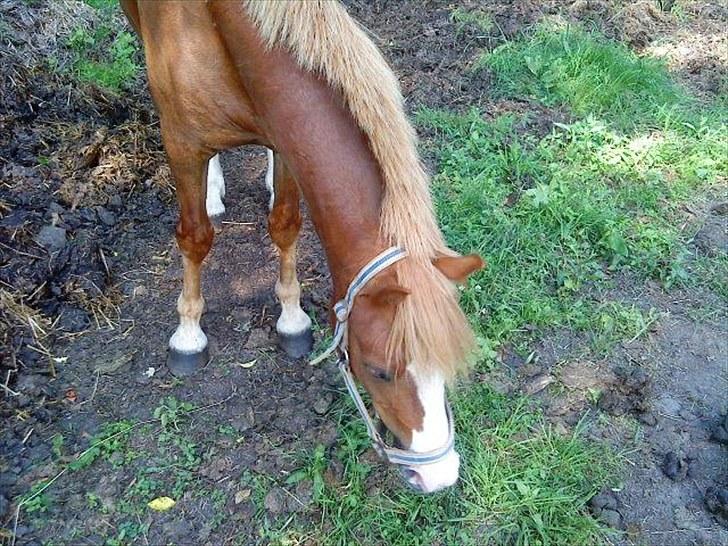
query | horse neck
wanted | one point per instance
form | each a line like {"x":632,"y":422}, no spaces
{"x":315,"y":135}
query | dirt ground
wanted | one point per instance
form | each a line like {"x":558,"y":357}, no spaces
{"x":89,"y":276}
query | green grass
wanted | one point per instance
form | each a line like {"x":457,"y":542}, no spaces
{"x":116,"y":70}
{"x":557,"y":217}
{"x":476,"y":18}
{"x":103,"y":54}
{"x":587,"y":72}
{"x":521,"y":484}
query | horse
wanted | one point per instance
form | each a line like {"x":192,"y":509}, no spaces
{"x":305,"y":81}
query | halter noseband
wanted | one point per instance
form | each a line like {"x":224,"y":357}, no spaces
{"x":342,"y":308}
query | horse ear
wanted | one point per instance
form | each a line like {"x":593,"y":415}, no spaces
{"x":458,"y":268}
{"x":389,"y":295}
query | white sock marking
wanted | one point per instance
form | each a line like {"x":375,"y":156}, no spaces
{"x":215,"y":187}
{"x":293,"y":320}
{"x":188,"y":337}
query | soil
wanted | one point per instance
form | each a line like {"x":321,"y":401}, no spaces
{"x":89,"y":276}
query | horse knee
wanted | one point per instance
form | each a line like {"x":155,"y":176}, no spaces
{"x":195,"y":239}
{"x":284,"y":223}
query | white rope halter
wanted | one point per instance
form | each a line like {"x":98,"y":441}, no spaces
{"x":342,"y":308}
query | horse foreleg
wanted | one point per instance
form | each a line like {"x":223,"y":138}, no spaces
{"x":284,"y":223}
{"x":188,"y":347}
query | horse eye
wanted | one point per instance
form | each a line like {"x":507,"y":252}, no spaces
{"x":379,"y":373}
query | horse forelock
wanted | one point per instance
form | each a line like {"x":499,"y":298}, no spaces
{"x":430,"y":330}
{"x":429,"y":327}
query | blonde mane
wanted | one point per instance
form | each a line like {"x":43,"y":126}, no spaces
{"x":429,"y":327}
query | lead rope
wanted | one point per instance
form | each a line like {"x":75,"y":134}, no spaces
{"x":342,"y":308}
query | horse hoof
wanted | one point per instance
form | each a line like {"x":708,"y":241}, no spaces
{"x":296,"y":345}
{"x":186,"y":364}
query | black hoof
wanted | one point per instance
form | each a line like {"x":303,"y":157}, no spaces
{"x":185,"y":364}
{"x":216,"y":221}
{"x":296,"y":345}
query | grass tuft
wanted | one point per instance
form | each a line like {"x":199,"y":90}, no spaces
{"x":583,"y":70}
{"x":101,"y":53}
{"x":558,"y":218}
{"x":521,"y":484}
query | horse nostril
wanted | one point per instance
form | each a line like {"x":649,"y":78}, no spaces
{"x":413,"y":479}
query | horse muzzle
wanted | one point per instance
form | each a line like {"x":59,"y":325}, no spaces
{"x":433,"y":477}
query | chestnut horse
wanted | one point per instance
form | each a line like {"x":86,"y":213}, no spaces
{"x":304,"y":80}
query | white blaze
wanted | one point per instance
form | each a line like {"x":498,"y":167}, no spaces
{"x":434,"y":433}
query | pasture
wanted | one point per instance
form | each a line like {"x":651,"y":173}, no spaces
{"x":580,"y":147}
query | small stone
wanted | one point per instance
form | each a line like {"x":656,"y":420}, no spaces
{"x":719,"y":432}
{"x":560,"y":428}
{"x":603,"y":500}
{"x":244,"y":419}
{"x":537,"y":383}
{"x":51,"y":238}
{"x":177,"y":530}
{"x":107,"y":217}
{"x":720,"y":209}
{"x":638,"y":380}
{"x":668,"y":405}
{"x":258,"y":339}
{"x":683,"y":519}
{"x":327,"y":434}
{"x":322,"y":403}
{"x":675,"y":467}
{"x":580,"y":375}
{"x":302,"y":496}
{"x":56,"y":208}
{"x":116,"y":458}
{"x":115,"y":202}
{"x":275,"y":500}
{"x":72,"y":319}
{"x":605,"y":507}
{"x":716,"y":500}
{"x":611,"y":518}
{"x":648,"y":418}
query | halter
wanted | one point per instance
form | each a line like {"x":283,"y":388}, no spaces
{"x":342,"y":308}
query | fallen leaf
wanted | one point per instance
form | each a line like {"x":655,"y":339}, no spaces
{"x":242,"y":495}
{"x":248,"y":364}
{"x":161,"y":504}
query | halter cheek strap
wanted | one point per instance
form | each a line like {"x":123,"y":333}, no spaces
{"x":342,"y":308}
